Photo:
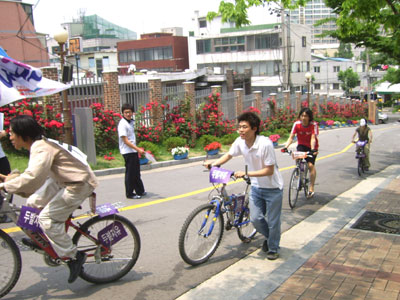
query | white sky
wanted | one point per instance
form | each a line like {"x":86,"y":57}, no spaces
{"x":141,"y":16}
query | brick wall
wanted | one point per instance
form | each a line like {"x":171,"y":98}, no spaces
{"x":111,"y":91}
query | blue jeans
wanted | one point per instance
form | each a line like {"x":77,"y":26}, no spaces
{"x":265,"y":214}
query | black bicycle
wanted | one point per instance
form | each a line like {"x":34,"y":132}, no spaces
{"x":203,"y":229}
{"x":360,"y":156}
{"x":300,"y":178}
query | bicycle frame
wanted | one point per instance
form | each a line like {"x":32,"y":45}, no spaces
{"x":42,"y":241}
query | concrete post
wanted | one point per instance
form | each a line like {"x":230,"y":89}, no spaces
{"x":317,"y":103}
{"x":229,"y":80}
{"x":286,"y":100}
{"x":273,"y":98}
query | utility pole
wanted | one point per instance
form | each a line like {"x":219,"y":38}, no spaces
{"x":285,"y":50}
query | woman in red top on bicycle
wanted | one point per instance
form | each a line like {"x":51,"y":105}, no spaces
{"x":306,"y":130}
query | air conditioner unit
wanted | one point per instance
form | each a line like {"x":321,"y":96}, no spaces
{"x":277,"y":26}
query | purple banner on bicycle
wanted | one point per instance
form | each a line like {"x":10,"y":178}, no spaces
{"x":29,"y":219}
{"x":219,"y":175}
{"x":112,"y":234}
{"x":106,"y":209}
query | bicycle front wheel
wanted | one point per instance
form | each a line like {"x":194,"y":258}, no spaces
{"x":245,"y":229}
{"x":201,"y":234}
{"x":10,"y":263}
{"x":112,"y":248}
{"x":306,"y":179}
{"x":294,"y":188}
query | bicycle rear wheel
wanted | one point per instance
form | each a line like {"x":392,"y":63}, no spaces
{"x":360,"y":166}
{"x":196,"y":243}
{"x":102,"y":265}
{"x":10,"y":263}
{"x":245,"y":229}
{"x":294,"y":188}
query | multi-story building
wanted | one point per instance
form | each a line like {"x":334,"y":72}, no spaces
{"x":325,"y":71}
{"x":261,"y":48}
{"x":161,"y":52}
{"x":18,"y":36}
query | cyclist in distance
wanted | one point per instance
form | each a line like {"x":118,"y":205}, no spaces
{"x":364,"y":134}
{"x":266,"y":180}
{"x":56,"y":181}
{"x":306,"y":130}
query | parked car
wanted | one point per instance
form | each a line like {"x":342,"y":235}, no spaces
{"x":382,"y":118}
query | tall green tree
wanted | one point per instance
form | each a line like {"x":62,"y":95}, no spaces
{"x":349,"y":79}
{"x":374,"y":24}
{"x":344,"y":51}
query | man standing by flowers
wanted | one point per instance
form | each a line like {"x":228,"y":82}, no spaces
{"x":266,"y":180}
{"x":134,"y":188}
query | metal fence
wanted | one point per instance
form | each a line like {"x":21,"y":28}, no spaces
{"x":228,"y":105}
{"x":85,"y":92}
{"x":173,"y":95}
{"x":202,"y":96}
{"x":134,"y":93}
{"x":248,"y":101}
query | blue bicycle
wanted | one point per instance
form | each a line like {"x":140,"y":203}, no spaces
{"x":203,"y":229}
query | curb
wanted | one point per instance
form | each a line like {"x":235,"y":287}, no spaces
{"x":156,"y":165}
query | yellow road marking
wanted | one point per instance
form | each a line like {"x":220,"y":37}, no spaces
{"x":16,"y":229}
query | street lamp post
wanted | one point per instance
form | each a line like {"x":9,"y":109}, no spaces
{"x":308,"y":80}
{"x":61,"y":39}
{"x":361,"y":95}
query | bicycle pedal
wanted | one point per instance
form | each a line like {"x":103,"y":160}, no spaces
{"x":228,"y":226}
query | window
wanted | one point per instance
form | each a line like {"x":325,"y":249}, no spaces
{"x":203,"y":46}
{"x":317,"y":86}
{"x":203,"y":23}
{"x":336,"y":69}
{"x":267,"y":41}
{"x":336,"y":86}
{"x":317,"y":69}
{"x":91,"y":62}
{"x":304,"y":41}
{"x":106,"y":61}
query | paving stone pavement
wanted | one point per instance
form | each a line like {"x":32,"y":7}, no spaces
{"x":354,"y":264}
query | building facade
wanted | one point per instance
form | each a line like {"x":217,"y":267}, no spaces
{"x":259,"y":48}
{"x":162,"y":52}
{"x":18,"y":36}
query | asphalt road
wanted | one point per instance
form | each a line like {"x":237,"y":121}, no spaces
{"x":173,"y":192}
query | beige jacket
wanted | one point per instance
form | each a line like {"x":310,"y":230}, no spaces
{"x":47,"y":159}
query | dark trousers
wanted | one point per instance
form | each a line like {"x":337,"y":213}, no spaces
{"x":133,"y":182}
{"x":5,"y":169}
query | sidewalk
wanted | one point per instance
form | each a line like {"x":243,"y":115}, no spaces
{"x":322,"y":257}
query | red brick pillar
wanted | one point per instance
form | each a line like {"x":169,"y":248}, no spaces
{"x":239,"y":101}
{"x":190,"y":94}
{"x":273,"y":98}
{"x":258,"y":98}
{"x":111,"y":91}
{"x":229,"y":80}
{"x":325,"y":99}
{"x":155,"y":87}
{"x":298,"y":101}
{"x":317,"y":103}
{"x":55,"y":99}
{"x":286,"y":100}
{"x":216,"y":89}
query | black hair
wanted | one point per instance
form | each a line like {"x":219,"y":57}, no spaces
{"x":308,"y":112}
{"x":126,"y":106}
{"x":26,"y":127}
{"x":252,"y":118}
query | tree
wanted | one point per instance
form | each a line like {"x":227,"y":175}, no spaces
{"x":349,"y":79}
{"x":373,"y":24}
{"x":344,"y":51}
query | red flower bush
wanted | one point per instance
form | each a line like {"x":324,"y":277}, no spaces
{"x":213,"y":146}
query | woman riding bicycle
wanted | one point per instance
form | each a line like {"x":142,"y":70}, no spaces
{"x":56,"y":181}
{"x":306,"y":131}
{"x":364,"y":134}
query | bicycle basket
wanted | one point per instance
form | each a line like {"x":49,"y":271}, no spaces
{"x":299,"y":154}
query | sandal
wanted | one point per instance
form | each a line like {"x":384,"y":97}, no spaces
{"x":310,"y":194}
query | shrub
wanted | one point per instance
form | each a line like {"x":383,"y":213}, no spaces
{"x":105,"y":124}
{"x":266,"y":133}
{"x":173,"y":142}
{"x":229,"y":138}
{"x":281,"y":131}
{"x":206,"y":139}
{"x":149,"y":146}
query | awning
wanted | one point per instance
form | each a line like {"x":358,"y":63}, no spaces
{"x":387,"y":88}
